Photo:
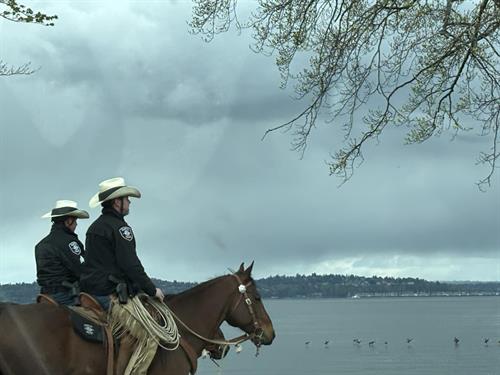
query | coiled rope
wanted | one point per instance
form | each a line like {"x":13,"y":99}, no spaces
{"x":165,"y":333}
{"x":162,"y":330}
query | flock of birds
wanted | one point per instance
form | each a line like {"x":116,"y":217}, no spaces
{"x":357,"y":342}
{"x":409,"y":340}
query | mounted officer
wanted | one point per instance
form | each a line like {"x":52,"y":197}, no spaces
{"x":113,"y":267}
{"x":111,"y":263}
{"x":60,"y":254}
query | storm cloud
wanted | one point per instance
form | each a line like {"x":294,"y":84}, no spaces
{"x":125,"y":90}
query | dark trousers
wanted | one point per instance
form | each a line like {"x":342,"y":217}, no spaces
{"x":103,"y":300}
{"x":63,"y":298}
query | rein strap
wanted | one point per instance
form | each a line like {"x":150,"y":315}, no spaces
{"x":233,"y":341}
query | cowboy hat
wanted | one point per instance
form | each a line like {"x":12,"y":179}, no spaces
{"x":66,"y":208}
{"x":111,"y":189}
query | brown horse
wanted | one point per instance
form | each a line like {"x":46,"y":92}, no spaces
{"x":39,"y":339}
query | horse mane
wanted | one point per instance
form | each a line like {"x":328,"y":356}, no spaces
{"x":195,"y":289}
{"x":199,"y":287}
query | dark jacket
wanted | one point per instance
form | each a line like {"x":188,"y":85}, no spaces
{"x":111,"y":250}
{"x":58,"y":258}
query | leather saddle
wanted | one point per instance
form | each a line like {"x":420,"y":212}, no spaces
{"x":89,"y":321}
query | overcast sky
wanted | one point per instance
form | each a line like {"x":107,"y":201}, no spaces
{"x":125,"y":90}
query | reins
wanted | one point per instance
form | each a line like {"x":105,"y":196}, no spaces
{"x":257,"y":334}
{"x":233,"y":341}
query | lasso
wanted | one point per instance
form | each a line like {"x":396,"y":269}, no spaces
{"x":165,"y":332}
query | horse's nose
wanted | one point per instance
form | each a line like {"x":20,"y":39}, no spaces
{"x":269,"y":336}
{"x":274,"y":336}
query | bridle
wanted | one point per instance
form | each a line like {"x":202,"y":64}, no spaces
{"x":258,"y":332}
{"x":255,"y":336}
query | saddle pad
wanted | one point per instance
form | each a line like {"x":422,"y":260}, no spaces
{"x":85,"y":328}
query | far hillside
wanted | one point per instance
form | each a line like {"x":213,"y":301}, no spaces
{"x":312,"y":286}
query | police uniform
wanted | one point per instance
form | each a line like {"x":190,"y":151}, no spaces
{"x":111,"y":251}
{"x":111,"y":263}
{"x":60,"y":254}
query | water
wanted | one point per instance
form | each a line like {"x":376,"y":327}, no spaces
{"x":431,"y":322}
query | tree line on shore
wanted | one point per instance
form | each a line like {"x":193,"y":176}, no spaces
{"x":344,"y":286}
{"x":309,"y":286}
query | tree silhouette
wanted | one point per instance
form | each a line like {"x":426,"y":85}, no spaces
{"x":429,"y":66}
{"x":15,"y":12}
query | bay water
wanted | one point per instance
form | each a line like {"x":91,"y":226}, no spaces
{"x":431,"y":323}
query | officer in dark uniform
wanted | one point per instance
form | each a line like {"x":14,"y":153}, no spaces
{"x":111,"y":260}
{"x":59,"y":255}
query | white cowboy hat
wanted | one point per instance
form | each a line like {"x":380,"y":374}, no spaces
{"x":111,"y":189}
{"x":66,"y":208}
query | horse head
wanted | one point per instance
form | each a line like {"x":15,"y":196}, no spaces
{"x":247,"y":310}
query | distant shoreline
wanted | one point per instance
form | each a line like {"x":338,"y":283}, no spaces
{"x":381,"y":297}
{"x":314,"y":287}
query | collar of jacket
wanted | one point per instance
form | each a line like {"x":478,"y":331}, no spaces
{"x":112,"y":212}
{"x":63,"y":228}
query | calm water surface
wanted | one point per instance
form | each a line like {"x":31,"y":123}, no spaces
{"x":431,"y":322}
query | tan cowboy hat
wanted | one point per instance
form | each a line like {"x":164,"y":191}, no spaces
{"x":66,"y":208}
{"x":111,"y":189}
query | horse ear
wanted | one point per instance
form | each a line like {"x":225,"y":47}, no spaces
{"x":242,"y":267}
{"x":249,"y":269}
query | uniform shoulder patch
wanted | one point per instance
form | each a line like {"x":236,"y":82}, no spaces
{"x":126,"y":233}
{"x":75,"y":248}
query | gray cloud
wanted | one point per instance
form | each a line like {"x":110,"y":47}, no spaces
{"x":136,"y":95}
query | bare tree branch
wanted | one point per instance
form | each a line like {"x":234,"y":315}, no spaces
{"x":434,"y":66}
{"x":25,"y":69}
{"x":16,"y":12}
